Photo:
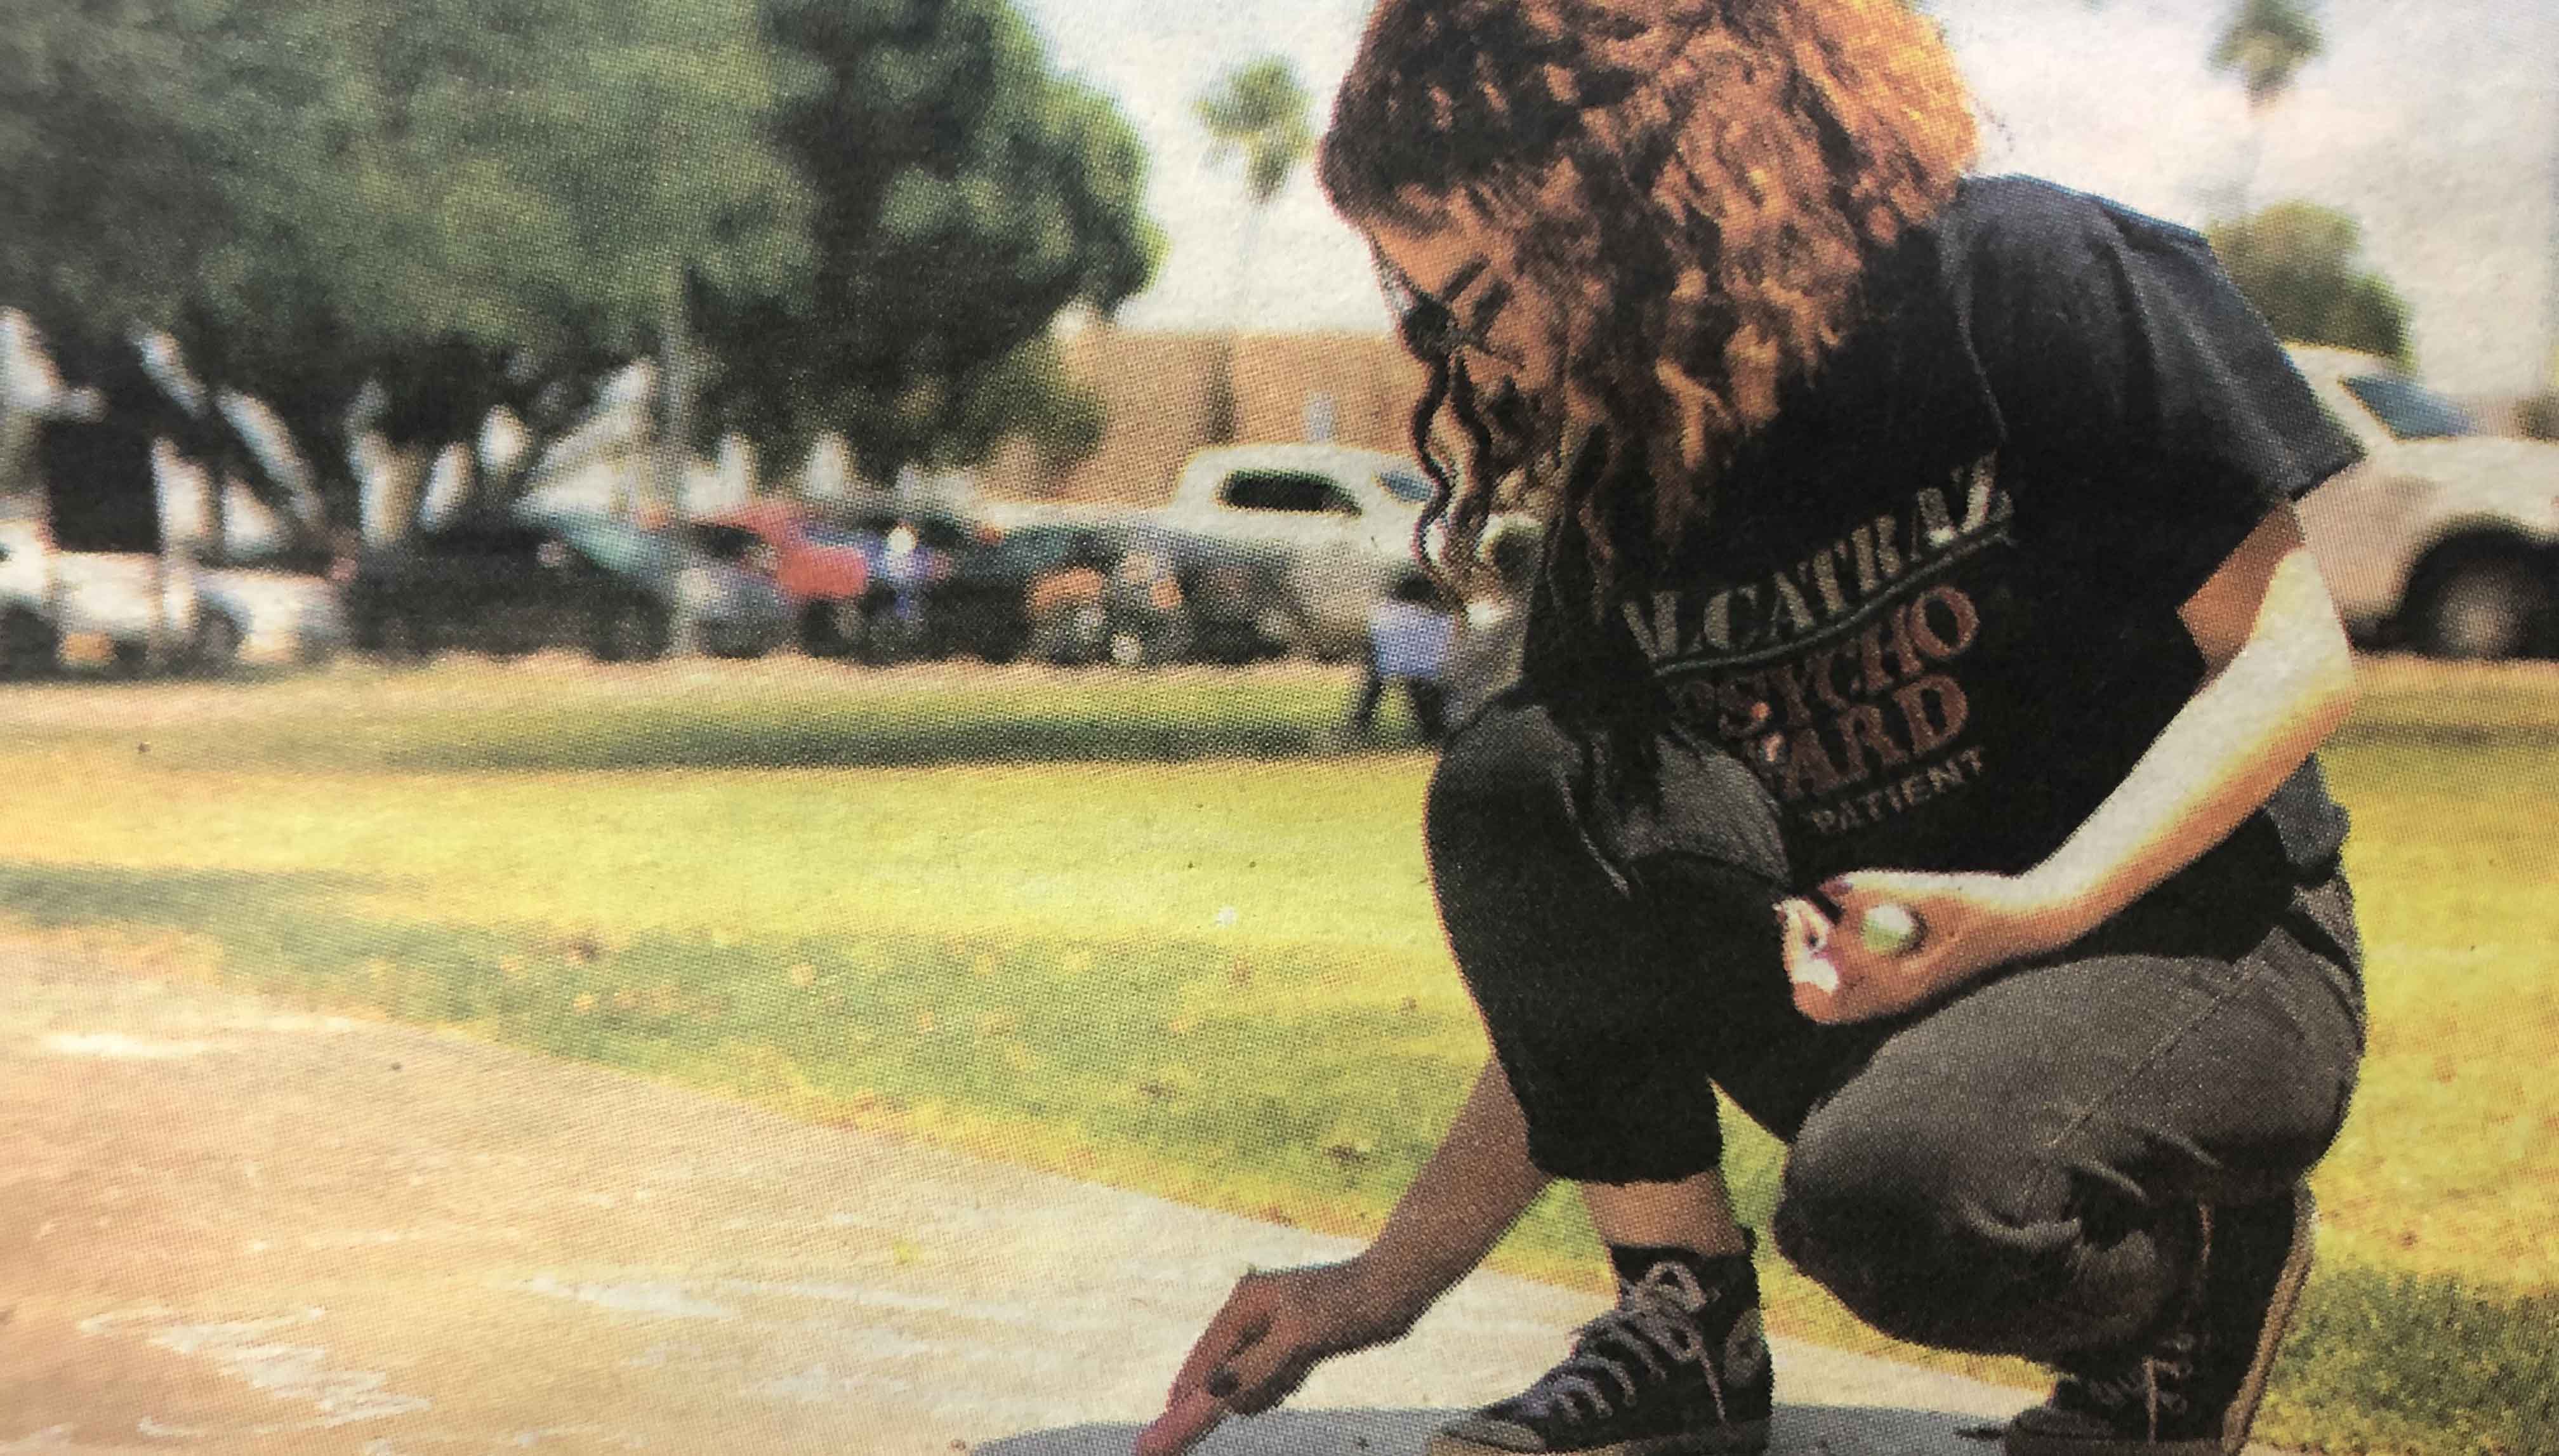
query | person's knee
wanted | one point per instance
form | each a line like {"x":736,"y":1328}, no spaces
{"x":1914,"y":1221}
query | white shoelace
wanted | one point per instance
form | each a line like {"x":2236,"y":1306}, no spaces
{"x":1655,"y":1320}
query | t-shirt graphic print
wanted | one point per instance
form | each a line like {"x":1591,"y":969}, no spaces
{"x":1840,"y":679}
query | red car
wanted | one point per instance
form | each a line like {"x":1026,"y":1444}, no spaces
{"x":823,"y":570}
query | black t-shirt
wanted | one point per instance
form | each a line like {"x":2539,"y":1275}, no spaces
{"x":1936,"y":607}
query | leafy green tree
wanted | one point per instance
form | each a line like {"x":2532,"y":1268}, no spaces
{"x":2302,"y":265}
{"x":466,"y":202}
{"x":962,"y":194}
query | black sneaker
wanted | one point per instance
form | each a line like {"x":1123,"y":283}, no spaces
{"x":1679,"y":1367}
{"x":2192,"y":1392}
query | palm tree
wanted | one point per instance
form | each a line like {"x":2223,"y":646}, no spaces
{"x":1261,"y":112}
{"x":2266,"y":43}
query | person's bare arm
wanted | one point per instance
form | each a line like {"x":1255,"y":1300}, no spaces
{"x":2280,"y":678}
{"x":1276,"y":1327}
{"x":1477,"y":1185}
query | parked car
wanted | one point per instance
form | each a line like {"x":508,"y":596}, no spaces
{"x":30,"y":642}
{"x":725,"y":585}
{"x":823,"y":570}
{"x":1239,"y":603}
{"x":508,"y":584}
{"x":2444,"y":538}
{"x":1340,"y":520}
{"x":98,"y":607}
{"x":914,"y":549}
{"x":1071,"y":594}
{"x":279,"y":616}
{"x":106,"y":605}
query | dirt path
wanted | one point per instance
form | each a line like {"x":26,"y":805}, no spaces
{"x":227,"y":1228}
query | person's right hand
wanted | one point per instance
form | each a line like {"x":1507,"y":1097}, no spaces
{"x":1276,"y":1327}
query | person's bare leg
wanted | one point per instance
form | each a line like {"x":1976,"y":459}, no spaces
{"x":1695,"y":1213}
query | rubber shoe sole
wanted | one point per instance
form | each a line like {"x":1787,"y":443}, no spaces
{"x":1745,"y":1438}
{"x":2023,"y":1439}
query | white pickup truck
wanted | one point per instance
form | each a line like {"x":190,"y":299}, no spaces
{"x":1339,"y":518}
{"x":2444,"y":538}
{"x":94,"y":607}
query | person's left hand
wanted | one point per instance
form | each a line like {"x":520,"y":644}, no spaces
{"x":1969,"y":923}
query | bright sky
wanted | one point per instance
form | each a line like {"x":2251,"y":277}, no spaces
{"x":2435,"y":122}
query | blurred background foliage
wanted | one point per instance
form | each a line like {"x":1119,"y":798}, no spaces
{"x":862,"y":214}
{"x":2302,"y":265}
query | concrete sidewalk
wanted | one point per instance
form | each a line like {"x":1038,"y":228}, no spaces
{"x":230,"y":1228}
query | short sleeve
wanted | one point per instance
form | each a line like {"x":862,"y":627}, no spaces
{"x":2158,"y":415}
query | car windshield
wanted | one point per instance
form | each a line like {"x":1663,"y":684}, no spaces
{"x":1410,"y":487}
{"x":618,"y":547}
{"x":2409,"y":410}
{"x":725,"y":543}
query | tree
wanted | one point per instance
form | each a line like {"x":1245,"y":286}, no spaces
{"x":2268,"y":42}
{"x":1258,"y":112}
{"x":962,"y":194}
{"x":465,"y":203}
{"x":2302,"y":266}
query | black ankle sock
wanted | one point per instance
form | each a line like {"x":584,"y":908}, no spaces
{"x":1634,"y":1261}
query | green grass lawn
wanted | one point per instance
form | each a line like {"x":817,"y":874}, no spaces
{"x":1136,"y":929}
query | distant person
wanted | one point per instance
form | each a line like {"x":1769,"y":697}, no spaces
{"x":1914,"y":747}
{"x":1409,"y":635}
{"x":905,"y":568}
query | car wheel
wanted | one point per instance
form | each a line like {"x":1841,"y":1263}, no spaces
{"x":830,"y":629}
{"x":1003,"y":644}
{"x":1073,"y":636}
{"x":630,"y":631}
{"x":29,"y":647}
{"x":1149,"y":643}
{"x":2477,"y":605}
{"x":216,"y":646}
{"x":402,"y":638}
{"x":1282,"y":630}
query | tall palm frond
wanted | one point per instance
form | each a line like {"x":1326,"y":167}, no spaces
{"x":1261,"y":112}
{"x":2267,"y":43}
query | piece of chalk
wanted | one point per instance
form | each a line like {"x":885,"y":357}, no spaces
{"x":1890,"y":929}
{"x":1820,"y":975}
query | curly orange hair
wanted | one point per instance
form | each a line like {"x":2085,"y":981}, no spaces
{"x":1693,"y":186}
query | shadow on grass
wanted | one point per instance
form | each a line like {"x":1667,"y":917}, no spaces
{"x":918,"y":730}
{"x":841,"y":744}
{"x":2418,"y":736}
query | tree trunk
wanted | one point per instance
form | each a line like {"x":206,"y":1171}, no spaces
{"x":676,"y":437}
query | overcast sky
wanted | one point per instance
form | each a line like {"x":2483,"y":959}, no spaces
{"x":2435,"y":122}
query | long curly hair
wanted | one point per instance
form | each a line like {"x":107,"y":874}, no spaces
{"x":1691,"y":190}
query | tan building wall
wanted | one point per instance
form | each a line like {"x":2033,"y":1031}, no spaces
{"x":1162,"y":396}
